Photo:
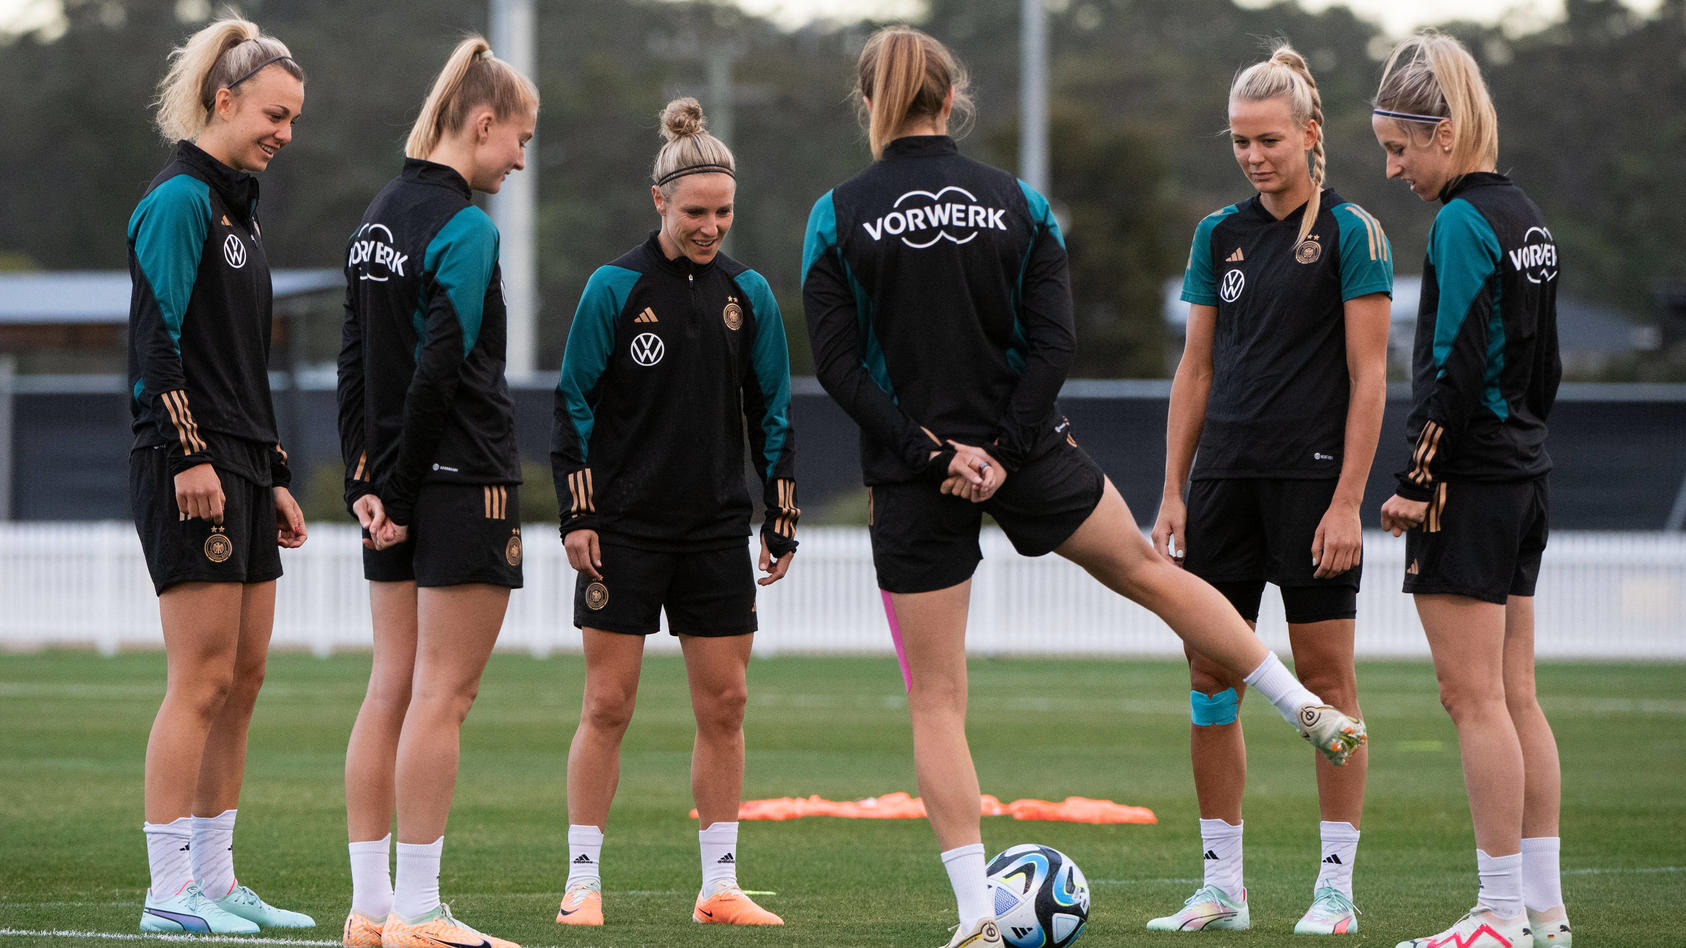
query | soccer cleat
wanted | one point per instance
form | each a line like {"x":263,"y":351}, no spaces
{"x":1330,"y":731}
{"x":1479,"y":928}
{"x":1553,"y":933}
{"x":730,"y":906}
{"x":361,"y":931}
{"x":1209,"y":907}
{"x":1331,"y":913}
{"x":189,"y":911}
{"x":435,"y":929}
{"x":582,"y":904}
{"x":242,"y":901}
{"x":985,"y":934}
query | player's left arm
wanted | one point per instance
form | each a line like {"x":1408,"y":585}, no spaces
{"x":772,"y":437}
{"x":1366,"y":292}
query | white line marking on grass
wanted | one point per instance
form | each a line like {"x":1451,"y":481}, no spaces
{"x":1635,"y":871}
{"x":162,"y":936}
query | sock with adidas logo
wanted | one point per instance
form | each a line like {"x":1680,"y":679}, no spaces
{"x":1340,"y":850}
{"x":585,"y":852}
{"x":169,"y":854}
{"x":719,"y":844}
{"x":1220,"y":845}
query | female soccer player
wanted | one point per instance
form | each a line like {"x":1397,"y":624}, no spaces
{"x":207,"y":476}
{"x":1281,"y":387}
{"x":938,"y":308}
{"x":673,"y":347}
{"x":1473,"y":499}
{"x":427,"y":431}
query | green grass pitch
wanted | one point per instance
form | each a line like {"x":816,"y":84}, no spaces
{"x":75,"y":728}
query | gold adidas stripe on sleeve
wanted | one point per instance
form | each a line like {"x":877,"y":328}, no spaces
{"x":1428,"y":445}
{"x":187,"y":430}
{"x":784,"y":523}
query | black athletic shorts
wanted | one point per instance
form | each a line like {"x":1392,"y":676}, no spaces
{"x":924,"y":540}
{"x":459,"y":534}
{"x":705,"y":592}
{"x":1243,"y":532}
{"x":1480,"y":540}
{"x":242,"y":549}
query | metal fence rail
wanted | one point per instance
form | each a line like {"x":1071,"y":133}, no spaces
{"x":83,"y":585}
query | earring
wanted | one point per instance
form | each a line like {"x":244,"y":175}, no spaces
{"x":1446,"y":148}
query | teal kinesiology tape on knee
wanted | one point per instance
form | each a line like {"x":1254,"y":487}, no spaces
{"x":1207,"y":710}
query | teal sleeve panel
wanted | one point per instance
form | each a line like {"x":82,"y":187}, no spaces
{"x":1041,"y":212}
{"x":591,"y":341}
{"x":1366,"y":255}
{"x":1210,"y":710}
{"x":821,"y":235}
{"x":461,"y":258}
{"x":1469,"y":334}
{"x":1200,"y":283}
{"x":168,"y":232}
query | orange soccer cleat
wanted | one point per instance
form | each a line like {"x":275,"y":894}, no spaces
{"x":581,"y":905}
{"x":730,"y":906}
{"x":435,"y":929}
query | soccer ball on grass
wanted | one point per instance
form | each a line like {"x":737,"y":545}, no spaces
{"x":1041,"y":897}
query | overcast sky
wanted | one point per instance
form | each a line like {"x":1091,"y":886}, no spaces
{"x":1395,"y":16}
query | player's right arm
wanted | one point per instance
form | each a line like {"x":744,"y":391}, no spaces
{"x":585,"y":361}
{"x":831,"y":301}
{"x":353,"y":411}
{"x":1191,"y":387}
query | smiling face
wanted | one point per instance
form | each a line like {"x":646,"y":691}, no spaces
{"x":696,"y":216}
{"x":1417,"y":152}
{"x":249,"y":126}
{"x":1271,"y":149}
{"x":501,"y":147}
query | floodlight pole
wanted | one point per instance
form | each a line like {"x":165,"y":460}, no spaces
{"x":513,"y":30}
{"x":1033,"y":94}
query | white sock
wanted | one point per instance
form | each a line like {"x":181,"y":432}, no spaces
{"x":1501,"y":883}
{"x":585,"y":854}
{"x":1340,"y":850}
{"x":168,"y":854}
{"x":965,"y":865}
{"x":417,"y":890}
{"x":1279,"y":686}
{"x":719,"y":845}
{"x":1220,"y":854}
{"x":1542,"y":886}
{"x":213,"y":853}
{"x":371,"y":877}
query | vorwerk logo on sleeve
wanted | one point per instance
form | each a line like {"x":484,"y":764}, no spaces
{"x":921,"y":218}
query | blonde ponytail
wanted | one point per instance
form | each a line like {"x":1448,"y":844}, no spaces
{"x":220,"y":56}
{"x":1431,"y":76}
{"x":906,"y":74}
{"x":472,"y":78}
{"x":690,"y":148}
{"x":1285,"y":75}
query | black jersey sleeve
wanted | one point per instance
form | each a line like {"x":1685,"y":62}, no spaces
{"x":458,"y":269}
{"x":1050,"y":334}
{"x":766,"y":407}
{"x":835,"y":306}
{"x":166,"y":241}
{"x":354,"y":445}
{"x":1464,"y":254}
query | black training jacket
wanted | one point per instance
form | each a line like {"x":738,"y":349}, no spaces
{"x":199,"y":321}
{"x":666,"y":362}
{"x":422,"y":393}
{"x":938,"y":307}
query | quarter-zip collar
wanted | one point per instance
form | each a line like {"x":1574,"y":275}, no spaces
{"x":920,"y":146}
{"x":239,"y":189}
{"x":681,"y":265}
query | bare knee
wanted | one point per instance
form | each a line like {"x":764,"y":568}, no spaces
{"x":722,"y":709}
{"x":453,"y":703}
{"x":607,"y":709}
{"x":1469,"y":708}
{"x":244,"y":687}
{"x":937,"y":695}
{"x":204,"y":695}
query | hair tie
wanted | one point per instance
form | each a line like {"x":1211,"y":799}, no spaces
{"x":696,"y":169}
{"x":260,"y":68}
{"x":1411,"y":116}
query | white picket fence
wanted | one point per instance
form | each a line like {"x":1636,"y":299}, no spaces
{"x":79,"y":585}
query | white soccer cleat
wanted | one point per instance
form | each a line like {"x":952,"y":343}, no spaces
{"x":1209,"y":907}
{"x":1331,"y":913}
{"x":1331,"y":731}
{"x":985,"y":934}
{"x":1480,"y":928}
{"x":190,"y":911}
{"x":1553,"y":933}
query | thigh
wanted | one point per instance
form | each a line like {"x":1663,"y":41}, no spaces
{"x":392,"y":606}
{"x":1470,"y":543}
{"x":1466,"y":638}
{"x":712,"y":593}
{"x":1041,"y":505}
{"x":467,"y":533}
{"x":716,"y":667}
{"x":628,"y":599}
{"x":179,"y":549}
{"x":922,"y":539}
{"x":456,"y":627}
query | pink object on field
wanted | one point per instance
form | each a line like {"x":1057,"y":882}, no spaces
{"x":896,"y":637}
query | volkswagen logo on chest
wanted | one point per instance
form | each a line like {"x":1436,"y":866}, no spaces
{"x":1230,"y":290}
{"x":647,"y":348}
{"x":234,"y":251}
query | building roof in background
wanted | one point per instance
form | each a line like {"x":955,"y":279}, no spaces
{"x":92,"y":297}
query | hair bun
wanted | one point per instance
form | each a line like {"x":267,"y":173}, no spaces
{"x":683,"y":118}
